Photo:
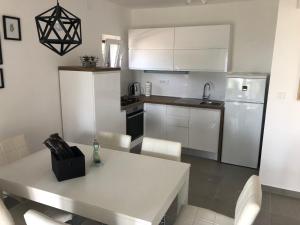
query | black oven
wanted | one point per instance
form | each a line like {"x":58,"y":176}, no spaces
{"x":135,"y":122}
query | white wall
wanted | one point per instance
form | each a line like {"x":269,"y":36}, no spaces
{"x":253,"y":24}
{"x":30,"y":101}
{"x":281,"y":148}
{"x":183,"y":85}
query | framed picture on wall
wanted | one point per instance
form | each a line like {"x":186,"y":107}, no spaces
{"x":12,"y":28}
{"x":1,"y":79}
{"x":1,"y":59}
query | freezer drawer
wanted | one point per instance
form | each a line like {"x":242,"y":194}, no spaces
{"x":246,"y":89}
{"x":242,"y":134}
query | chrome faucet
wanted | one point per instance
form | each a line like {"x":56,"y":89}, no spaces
{"x":206,"y":91}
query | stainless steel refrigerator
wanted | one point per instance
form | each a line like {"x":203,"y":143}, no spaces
{"x":243,"y":123}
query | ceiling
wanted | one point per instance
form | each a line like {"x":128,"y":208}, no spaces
{"x":167,"y":3}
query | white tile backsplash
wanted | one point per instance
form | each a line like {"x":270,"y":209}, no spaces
{"x":183,"y":85}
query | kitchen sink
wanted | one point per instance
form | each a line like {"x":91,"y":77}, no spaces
{"x":195,"y":101}
{"x":210,"y":103}
{"x":189,"y":101}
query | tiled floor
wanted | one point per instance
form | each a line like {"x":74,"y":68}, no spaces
{"x":217,"y":186}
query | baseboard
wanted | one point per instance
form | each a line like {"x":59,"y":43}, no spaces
{"x":279,"y":191}
{"x":199,"y":153}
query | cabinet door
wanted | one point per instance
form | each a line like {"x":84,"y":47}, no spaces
{"x":204,"y":129}
{"x":155,"y":121}
{"x":209,"y":60}
{"x":202,"y":37}
{"x":151,"y":59}
{"x":177,"y":130}
{"x":177,"y":124}
{"x":78,"y":106}
{"x":151,"y":39}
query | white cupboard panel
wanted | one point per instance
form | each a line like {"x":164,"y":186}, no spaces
{"x":204,"y":129}
{"x":177,"y":121}
{"x":109,"y":117}
{"x":202,"y":37}
{"x":178,"y":134}
{"x":209,"y":60}
{"x":155,"y":38}
{"x":178,"y":111}
{"x":78,"y":106}
{"x":155,"y":121}
{"x":151,"y":59}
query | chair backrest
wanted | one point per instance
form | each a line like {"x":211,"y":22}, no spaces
{"x":249,"y":202}
{"x":161,"y":149}
{"x":114,"y":141}
{"x":5,"y":217}
{"x":33,"y":217}
{"x":13,"y":149}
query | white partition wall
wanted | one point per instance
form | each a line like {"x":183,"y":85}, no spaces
{"x":90,"y":103}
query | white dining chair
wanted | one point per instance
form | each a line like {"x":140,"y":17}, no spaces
{"x":13,"y":149}
{"x":114,"y":141}
{"x":5,"y":216}
{"x":161,"y":149}
{"x":247,"y":209}
{"x":15,"y":216}
{"x":33,"y":217}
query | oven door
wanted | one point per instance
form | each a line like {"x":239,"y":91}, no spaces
{"x":135,"y":124}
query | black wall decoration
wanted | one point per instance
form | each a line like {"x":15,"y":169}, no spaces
{"x":1,"y":79}
{"x":12,"y":28}
{"x":1,"y":57}
{"x":59,"y":30}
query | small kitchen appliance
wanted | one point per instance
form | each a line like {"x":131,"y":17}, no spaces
{"x":148,"y":89}
{"x":134,"y":89}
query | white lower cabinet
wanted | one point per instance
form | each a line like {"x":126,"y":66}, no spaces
{"x":195,"y":128}
{"x":204,"y":129}
{"x":177,"y":124}
{"x":155,"y":120}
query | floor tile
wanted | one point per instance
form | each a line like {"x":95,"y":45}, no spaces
{"x":285,"y":206}
{"x":266,"y":201}
{"x":263,"y":218}
{"x":226,"y":208}
{"x":283,"y":220}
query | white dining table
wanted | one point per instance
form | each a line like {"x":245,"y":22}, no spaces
{"x":127,"y":189}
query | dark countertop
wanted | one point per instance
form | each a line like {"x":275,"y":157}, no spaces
{"x":87,"y":69}
{"x":189,"y":102}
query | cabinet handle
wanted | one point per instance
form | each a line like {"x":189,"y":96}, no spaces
{"x":130,"y":117}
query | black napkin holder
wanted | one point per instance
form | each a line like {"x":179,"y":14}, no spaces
{"x":66,"y":169}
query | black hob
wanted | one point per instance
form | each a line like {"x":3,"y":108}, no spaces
{"x":128,"y":100}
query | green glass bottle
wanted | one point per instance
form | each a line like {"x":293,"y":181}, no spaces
{"x":96,"y":153}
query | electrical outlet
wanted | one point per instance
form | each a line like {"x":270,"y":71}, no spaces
{"x":164,"y":82}
{"x":298,"y":97}
{"x":281,"y":95}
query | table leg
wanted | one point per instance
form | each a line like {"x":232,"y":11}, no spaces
{"x":183,"y":195}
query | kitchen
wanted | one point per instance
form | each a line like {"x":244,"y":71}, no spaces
{"x":174,"y":62}
{"x":205,"y":91}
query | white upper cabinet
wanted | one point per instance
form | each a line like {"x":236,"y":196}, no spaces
{"x":152,"y":39}
{"x":208,"y":60}
{"x":202,"y":48}
{"x":151,"y":49}
{"x":202,"y":37}
{"x":198,"y":48}
{"x":151,"y":59}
